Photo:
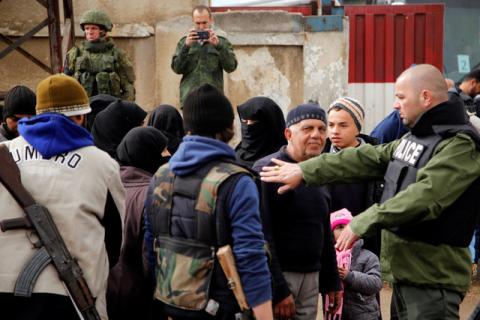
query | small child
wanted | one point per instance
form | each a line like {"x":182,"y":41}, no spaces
{"x":359,"y":270}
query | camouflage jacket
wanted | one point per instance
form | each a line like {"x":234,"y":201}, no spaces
{"x":101,"y":68}
{"x":202,"y":63}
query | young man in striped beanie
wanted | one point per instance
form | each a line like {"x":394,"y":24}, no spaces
{"x":345,"y":122}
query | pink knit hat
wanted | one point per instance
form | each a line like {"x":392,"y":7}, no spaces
{"x":342,"y":216}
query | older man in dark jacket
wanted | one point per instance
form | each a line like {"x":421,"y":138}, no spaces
{"x":297,"y":224}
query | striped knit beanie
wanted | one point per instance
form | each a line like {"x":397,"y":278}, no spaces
{"x":353,"y":107}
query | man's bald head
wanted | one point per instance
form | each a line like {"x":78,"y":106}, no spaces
{"x":426,"y":77}
{"x":417,"y":90}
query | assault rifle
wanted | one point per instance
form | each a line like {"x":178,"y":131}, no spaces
{"x":51,"y":245}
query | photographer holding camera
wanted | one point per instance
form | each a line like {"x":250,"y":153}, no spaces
{"x":201,"y":56}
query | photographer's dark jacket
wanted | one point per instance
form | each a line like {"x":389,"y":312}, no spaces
{"x":202,"y":63}
{"x":453,"y":167}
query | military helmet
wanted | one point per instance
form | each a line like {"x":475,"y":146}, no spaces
{"x":96,"y":17}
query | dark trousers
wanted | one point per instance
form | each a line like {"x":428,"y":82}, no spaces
{"x":419,"y":303}
{"x":160,"y":312}
{"x":40,"y":306}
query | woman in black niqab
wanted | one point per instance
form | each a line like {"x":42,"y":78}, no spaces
{"x":143,"y":148}
{"x":263,"y":134}
{"x":168,"y":120}
{"x":98,"y":103}
{"x":113,"y":123}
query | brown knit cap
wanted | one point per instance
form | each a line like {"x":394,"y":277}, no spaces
{"x":62,"y":94}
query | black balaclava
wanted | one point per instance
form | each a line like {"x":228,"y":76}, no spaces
{"x":168,"y":120}
{"x":265,"y":136}
{"x":142,"y":148}
{"x":113,"y":123}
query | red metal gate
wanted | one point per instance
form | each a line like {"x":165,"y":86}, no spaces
{"x":384,"y":41}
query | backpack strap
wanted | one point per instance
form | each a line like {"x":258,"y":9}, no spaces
{"x":207,"y":198}
{"x":203,"y":188}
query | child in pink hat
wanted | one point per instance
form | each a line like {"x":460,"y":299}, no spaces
{"x":359,"y":270}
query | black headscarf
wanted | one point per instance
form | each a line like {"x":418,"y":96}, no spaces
{"x":142,"y":148}
{"x":98,"y":103}
{"x":168,"y":120}
{"x":265,"y":136}
{"x":113,"y":123}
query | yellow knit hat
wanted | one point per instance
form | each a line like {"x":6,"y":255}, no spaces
{"x":62,"y":94}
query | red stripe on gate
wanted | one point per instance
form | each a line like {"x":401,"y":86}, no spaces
{"x":385,"y":40}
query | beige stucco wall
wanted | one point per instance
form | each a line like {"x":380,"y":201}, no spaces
{"x":133,"y":31}
{"x":277,"y":58}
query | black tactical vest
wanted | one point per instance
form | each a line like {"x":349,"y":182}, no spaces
{"x":189,"y":222}
{"x":456,"y":224}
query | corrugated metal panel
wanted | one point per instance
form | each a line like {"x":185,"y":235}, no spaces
{"x":384,"y":41}
{"x":376,"y":98}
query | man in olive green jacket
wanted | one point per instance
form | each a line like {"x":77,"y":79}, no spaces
{"x":201,"y":56}
{"x":428,"y":209}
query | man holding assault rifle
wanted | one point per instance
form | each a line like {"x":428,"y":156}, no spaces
{"x":63,"y":230}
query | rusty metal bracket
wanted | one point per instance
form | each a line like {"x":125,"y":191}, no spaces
{"x":25,"y":37}
{"x":58,"y":48}
{"x":27,"y":55}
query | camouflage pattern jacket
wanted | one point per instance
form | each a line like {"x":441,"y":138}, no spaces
{"x":202,"y":63}
{"x":101,"y":68}
{"x":237,"y":204}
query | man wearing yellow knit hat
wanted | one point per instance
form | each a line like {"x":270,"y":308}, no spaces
{"x":79,"y":184}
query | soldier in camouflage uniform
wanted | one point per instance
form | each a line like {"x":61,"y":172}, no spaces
{"x":200,"y":201}
{"x":97,"y":63}
{"x":202,"y":60}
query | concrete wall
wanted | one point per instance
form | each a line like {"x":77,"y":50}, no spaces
{"x":277,"y":57}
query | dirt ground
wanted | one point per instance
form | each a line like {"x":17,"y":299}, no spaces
{"x":468,"y":304}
